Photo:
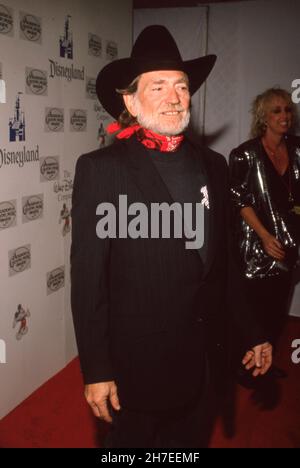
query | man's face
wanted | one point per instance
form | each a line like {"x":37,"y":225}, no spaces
{"x":162,"y":102}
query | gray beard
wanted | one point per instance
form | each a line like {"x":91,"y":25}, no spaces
{"x":150,"y":122}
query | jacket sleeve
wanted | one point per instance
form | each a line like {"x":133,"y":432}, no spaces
{"x":240,"y":172}
{"x":89,"y":274}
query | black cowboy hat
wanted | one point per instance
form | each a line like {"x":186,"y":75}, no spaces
{"x":154,"y":49}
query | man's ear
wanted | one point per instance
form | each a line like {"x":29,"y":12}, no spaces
{"x":130,"y":104}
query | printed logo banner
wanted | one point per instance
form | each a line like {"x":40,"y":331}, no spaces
{"x":95,"y":45}
{"x":49,"y":168}
{"x":8,"y":214}
{"x":78,"y":120}
{"x":6,"y":20}
{"x":32,"y":208}
{"x":19,"y":260}
{"x":55,"y":280}
{"x":54,"y":119}
{"x":36,"y":82}
{"x":30,"y":28}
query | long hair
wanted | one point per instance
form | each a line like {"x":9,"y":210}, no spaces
{"x":260,"y":107}
{"x":125,"y":119}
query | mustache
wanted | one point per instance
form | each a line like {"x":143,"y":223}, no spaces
{"x":174,"y":108}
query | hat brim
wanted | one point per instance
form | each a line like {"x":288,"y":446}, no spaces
{"x":120,"y":73}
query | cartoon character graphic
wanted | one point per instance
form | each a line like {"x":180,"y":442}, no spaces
{"x":101,"y":135}
{"x":21,"y":317}
{"x":65,"y":216}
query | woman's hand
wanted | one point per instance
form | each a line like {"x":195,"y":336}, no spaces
{"x":273,"y":247}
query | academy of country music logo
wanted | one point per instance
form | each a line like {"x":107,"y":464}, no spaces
{"x":66,"y":40}
{"x":54,"y":119}
{"x":49,"y":168}
{"x":30,"y":28}
{"x":18,"y":158}
{"x":8,"y":214}
{"x":95,"y":45}
{"x":78,"y":120}
{"x":111,"y":50}
{"x":36,"y":82}
{"x":90,"y":88}
{"x":19,"y":260}
{"x":6,"y":20}
{"x":32,"y":207}
{"x":17,"y":122}
{"x":21,"y":320}
{"x":69,"y":73}
{"x":55,"y":280}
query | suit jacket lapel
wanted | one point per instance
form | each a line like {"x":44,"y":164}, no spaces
{"x":211,"y":214}
{"x":154,"y":189}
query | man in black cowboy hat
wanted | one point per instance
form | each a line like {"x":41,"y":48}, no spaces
{"x":150,"y":314}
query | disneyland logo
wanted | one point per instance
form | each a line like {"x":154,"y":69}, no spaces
{"x":162,"y":218}
{"x":296,"y":353}
{"x":6,"y":20}
{"x":19,"y":260}
{"x":69,"y":73}
{"x":95,"y":45}
{"x":296,"y":92}
{"x":18,"y":158}
{"x":55,"y":280}
{"x":54,"y":119}
{"x":2,"y":352}
{"x":49,"y":168}
{"x":8,"y":214}
{"x":36,"y":82}
{"x":90,"y":88}
{"x":78,"y":120}
{"x":32,"y":207}
{"x":31,"y":27}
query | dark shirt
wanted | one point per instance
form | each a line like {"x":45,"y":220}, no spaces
{"x":280,"y":189}
{"x":184,"y":179}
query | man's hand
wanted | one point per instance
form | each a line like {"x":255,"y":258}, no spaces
{"x":97,"y":395}
{"x":260,"y":357}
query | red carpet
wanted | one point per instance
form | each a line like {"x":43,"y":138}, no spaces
{"x":56,"y":415}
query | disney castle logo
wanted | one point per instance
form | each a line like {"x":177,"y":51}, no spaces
{"x":17,"y":123}
{"x":66,"y":41}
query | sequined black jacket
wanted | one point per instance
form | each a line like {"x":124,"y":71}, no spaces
{"x":250,"y":186}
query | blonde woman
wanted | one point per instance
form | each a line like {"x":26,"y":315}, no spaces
{"x":265,"y":194}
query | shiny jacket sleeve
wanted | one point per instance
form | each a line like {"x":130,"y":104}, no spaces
{"x":89,"y":274}
{"x":240,"y":168}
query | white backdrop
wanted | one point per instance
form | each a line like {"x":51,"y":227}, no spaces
{"x":51,"y":53}
{"x":257,"y":44}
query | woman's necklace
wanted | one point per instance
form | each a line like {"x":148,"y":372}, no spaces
{"x":278,"y":159}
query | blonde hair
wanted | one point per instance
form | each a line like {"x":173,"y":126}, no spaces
{"x":260,"y":107}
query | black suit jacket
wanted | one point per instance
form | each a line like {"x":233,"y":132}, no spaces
{"x":147,"y":310}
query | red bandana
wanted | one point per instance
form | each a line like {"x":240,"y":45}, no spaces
{"x":148,"y":138}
